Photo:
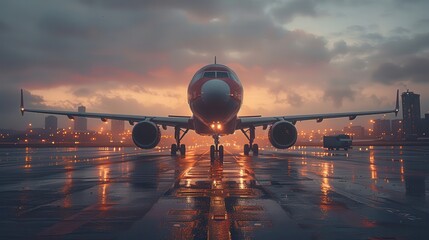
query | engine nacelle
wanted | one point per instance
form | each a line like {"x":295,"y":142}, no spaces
{"x":282,"y":134}
{"x":146,"y":135}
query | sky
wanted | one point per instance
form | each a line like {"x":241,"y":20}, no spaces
{"x":137,"y":57}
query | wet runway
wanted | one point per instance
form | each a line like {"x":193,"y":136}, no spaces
{"x":300,"y":193}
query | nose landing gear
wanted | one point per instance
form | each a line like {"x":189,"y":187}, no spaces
{"x":251,"y":146}
{"x":178,"y":135}
{"x":216,"y":148}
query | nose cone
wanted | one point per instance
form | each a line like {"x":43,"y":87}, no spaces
{"x":215,"y":91}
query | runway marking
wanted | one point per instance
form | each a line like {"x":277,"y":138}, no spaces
{"x":72,"y":223}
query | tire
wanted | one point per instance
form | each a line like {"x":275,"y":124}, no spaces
{"x":182,"y":149}
{"x":221,"y":153}
{"x":173,"y":149}
{"x":246,"y":149}
{"x":212,"y":153}
{"x":255,"y":150}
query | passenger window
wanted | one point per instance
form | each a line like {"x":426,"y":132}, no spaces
{"x":210,"y":74}
{"x":222,"y":74}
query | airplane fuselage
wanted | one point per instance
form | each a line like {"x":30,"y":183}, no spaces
{"x":215,"y":95}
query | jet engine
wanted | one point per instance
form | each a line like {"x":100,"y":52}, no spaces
{"x":282,"y":134}
{"x":146,"y":135}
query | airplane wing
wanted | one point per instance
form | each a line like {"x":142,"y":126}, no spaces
{"x":173,"y":121}
{"x":255,"y":121}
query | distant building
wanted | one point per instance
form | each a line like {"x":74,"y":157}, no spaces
{"x":51,"y":124}
{"x":117,"y":127}
{"x":354,"y":131}
{"x":424,"y":126}
{"x":397,"y":129}
{"x":411,"y":114}
{"x":81,"y":124}
{"x":381,"y":128}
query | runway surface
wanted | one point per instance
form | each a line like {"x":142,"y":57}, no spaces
{"x":300,"y":193}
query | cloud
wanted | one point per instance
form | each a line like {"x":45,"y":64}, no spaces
{"x":74,"y":46}
{"x":4,"y":28}
{"x":404,"y":46}
{"x":356,"y":29}
{"x":287,"y":11}
{"x":292,"y":98}
{"x":338,"y":91}
{"x":422,"y":23}
{"x":340,"y":48}
{"x":373,"y":36}
{"x":99,"y":50}
{"x":400,"y":31}
{"x":415,"y":70}
{"x":125,"y":105}
{"x":83,"y":92}
{"x":65,"y":27}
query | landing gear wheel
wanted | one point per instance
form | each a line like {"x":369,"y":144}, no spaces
{"x":178,"y":135}
{"x":173,"y":149}
{"x":221,"y":153}
{"x":255,"y":149}
{"x":182,"y":149}
{"x":246,"y":149}
{"x":212,"y":153}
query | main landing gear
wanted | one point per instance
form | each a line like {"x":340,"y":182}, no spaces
{"x":216,"y":148}
{"x":178,"y":135}
{"x":250,"y":135}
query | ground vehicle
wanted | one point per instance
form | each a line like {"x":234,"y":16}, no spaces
{"x":336,"y":142}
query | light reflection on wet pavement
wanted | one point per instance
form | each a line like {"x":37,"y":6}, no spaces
{"x":301,"y":193}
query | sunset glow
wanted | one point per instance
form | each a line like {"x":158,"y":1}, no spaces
{"x":293,"y":57}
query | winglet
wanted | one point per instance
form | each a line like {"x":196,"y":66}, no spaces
{"x":397,"y":103}
{"x":22,"y":103}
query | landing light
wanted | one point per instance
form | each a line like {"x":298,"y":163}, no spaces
{"x":216,"y":126}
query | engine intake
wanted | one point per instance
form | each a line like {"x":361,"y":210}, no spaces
{"x":146,"y":135}
{"x":282,"y":134}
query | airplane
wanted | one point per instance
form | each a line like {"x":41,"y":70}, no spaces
{"x":215,"y":95}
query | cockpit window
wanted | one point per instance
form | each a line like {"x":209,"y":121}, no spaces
{"x":210,"y":74}
{"x":222,"y":74}
{"x":216,"y":74}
